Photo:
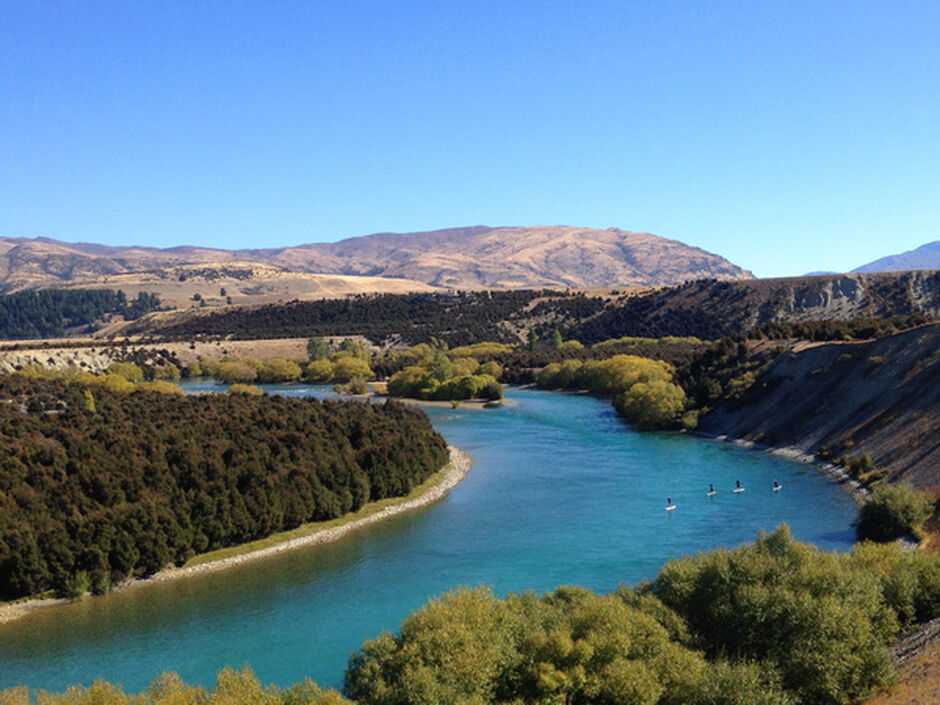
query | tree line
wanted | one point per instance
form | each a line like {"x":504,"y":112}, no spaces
{"x":411,"y":318}
{"x":99,"y":485}
{"x":48,"y":313}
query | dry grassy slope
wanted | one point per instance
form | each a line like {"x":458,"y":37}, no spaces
{"x":531,"y":257}
{"x":882,"y":397}
{"x":465,"y":258}
{"x":243,"y":283}
{"x":95,"y":356}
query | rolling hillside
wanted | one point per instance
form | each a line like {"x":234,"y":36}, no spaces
{"x":460,"y":258}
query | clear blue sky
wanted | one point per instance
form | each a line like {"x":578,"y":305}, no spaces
{"x":787,"y":136}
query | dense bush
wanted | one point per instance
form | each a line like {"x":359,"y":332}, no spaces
{"x":823,"y":620}
{"x":643,"y":390}
{"x":412,"y":318}
{"x":438,"y":376}
{"x":569,"y":646}
{"x":124,"y":483}
{"x":892,"y":512}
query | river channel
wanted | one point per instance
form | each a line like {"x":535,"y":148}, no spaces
{"x":560,"y":492}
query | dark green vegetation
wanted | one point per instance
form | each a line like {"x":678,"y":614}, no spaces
{"x":49,"y":313}
{"x":412,"y":318}
{"x":99,"y":486}
{"x":776,"y":622}
{"x":892,"y":512}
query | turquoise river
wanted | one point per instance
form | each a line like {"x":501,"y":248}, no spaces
{"x":560,"y":492}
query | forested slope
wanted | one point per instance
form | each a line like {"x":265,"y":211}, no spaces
{"x":825,"y":307}
{"x":413,"y":318}
{"x":98,"y":488}
{"x":49,"y":313}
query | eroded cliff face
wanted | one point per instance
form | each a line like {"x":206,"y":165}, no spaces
{"x":880,"y":397}
{"x":858,"y":295}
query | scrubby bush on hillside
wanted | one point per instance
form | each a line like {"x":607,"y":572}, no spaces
{"x":892,"y":512}
{"x":821,"y":619}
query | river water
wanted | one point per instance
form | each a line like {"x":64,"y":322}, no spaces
{"x":561,"y":492}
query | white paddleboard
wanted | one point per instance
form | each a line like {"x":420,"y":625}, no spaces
{"x":711,"y":494}
{"x":738,"y":489}
{"x":778,"y":488}
{"x":670,"y":507}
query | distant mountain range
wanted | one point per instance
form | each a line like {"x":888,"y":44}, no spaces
{"x":458,"y":258}
{"x":924,"y":257}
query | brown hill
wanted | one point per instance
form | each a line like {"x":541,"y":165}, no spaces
{"x":177,"y":274}
{"x":465,"y":258}
{"x":523,"y":257}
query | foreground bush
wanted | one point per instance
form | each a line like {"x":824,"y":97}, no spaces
{"x":569,"y":646}
{"x":823,"y":620}
{"x":777,"y":622}
{"x":231,"y":688}
{"x":892,"y":512}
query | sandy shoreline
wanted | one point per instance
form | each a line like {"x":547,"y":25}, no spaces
{"x":454,"y":472}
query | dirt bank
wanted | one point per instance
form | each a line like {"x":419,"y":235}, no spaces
{"x":881,"y":397}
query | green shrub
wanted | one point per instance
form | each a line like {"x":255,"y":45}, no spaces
{"x":127,"y":370}
{"x":249,"y":389}
{"x":232,"y":371}
{"x":818,"y":618}
{"x":892,"y":512}
{"x":319,"y":371}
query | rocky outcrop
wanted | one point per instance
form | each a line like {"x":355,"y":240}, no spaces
{"x":712,"y":309}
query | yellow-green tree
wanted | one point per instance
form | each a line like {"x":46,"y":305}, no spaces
{"x":345,"y":368}
{"x":127,"y":370}
{"x":232,"y":371}
{"x":319,"y":371}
